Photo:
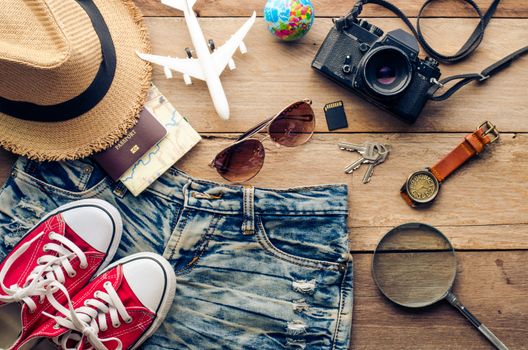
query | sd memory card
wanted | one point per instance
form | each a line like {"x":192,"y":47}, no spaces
{"x":335,"y":116}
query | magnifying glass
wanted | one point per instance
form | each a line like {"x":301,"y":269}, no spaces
{"x":414,"y":266}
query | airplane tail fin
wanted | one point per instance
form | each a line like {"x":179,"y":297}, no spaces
{"x":183,"y":5}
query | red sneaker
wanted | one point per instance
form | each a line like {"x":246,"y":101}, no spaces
{"x":67,"y":248}
{"x":119,"y":309}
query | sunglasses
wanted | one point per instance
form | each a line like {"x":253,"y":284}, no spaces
{"x":242,"y":161}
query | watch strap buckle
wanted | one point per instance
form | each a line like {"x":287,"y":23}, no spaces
{"x":489,"y":128}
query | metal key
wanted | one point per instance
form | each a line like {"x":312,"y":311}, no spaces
{"x":352,"y":147}
{"x":371,"y":154}
{"x":383,"y":151}
{"x":361,"y":148}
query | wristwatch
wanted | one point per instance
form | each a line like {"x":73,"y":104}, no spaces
{"x":421,"y":188}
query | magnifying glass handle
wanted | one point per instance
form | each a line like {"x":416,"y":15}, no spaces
{"x":475,"y":322}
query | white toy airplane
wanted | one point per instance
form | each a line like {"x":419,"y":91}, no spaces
{"x":210,"y":62}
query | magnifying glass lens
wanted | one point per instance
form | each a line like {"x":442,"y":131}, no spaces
{"x":414,"y":265}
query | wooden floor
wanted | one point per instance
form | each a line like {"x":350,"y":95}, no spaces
{"x":483,"y":209}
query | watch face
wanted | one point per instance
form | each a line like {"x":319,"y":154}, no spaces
{"x":422,"y":186}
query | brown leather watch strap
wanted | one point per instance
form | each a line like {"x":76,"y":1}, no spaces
{"x":473,"y":144}
{"x":406,"y":197}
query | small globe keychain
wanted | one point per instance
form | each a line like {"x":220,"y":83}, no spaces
{"x":289,"y":20}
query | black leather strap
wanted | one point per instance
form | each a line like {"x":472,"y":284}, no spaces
{"x":467,"y":49}
{"x":464,"y":79}
{"x":87,"y":100}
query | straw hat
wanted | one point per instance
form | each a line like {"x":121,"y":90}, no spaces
{"x":71,"y":83}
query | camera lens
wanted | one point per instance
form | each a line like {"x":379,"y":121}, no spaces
{"x":387,"y":71}
{"x":386,"y":75}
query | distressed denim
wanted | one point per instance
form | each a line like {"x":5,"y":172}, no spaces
{"x":257,"y":268}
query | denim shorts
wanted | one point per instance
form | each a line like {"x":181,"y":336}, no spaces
{"x":257,"y":268}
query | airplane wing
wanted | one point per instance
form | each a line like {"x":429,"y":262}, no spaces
{"x":189,"y":66}
{"x":223,"y":54}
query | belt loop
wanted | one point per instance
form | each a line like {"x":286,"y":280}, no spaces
{"x":186,"y":193}
{"x":248,"y":226}
{"x":120,"y":190}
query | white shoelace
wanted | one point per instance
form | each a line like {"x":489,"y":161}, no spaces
{"x":86,"y":321}
{"x":49,"y":270}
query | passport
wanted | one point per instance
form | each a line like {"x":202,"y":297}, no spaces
{"x":117,"y":159}
{"x":180,"y":139}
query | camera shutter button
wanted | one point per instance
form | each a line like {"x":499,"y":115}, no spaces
{"x":364,"y":47}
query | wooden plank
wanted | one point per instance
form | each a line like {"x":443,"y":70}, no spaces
{"x":274,"y":74}
{"x":492,"y":285}
{"x":482,"y":237}
{"x":478,"y":208}
{"x":329,"y":8}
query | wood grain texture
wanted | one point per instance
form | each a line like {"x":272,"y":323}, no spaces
{"x":330,"y":8}
{"x":274,"y":74}
{"x":492,"y":285}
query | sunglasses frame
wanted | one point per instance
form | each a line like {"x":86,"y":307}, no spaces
{"x":265,"y":124}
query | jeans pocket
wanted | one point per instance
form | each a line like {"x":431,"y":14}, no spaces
{"x":319,"y":242}
{"x":71,"y":179}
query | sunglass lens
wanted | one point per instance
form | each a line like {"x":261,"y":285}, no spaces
{"x":241,"y":161}
{"x":294,"y":126}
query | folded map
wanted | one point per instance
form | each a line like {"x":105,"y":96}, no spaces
{"x":180,"y":139}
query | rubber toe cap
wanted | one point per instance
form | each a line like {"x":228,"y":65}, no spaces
{"x":148,"y":280}
{"x":95,"y":225}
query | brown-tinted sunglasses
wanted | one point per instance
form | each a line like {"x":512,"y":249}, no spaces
{"x":292,"y":127}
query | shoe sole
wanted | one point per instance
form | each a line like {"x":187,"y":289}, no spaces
{"x":109,"y":209}
{"x":168,"y":293}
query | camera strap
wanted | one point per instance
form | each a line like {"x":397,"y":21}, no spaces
{"x":467,"y":49}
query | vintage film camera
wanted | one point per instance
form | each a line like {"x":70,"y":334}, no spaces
{"x":384,"y":70}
